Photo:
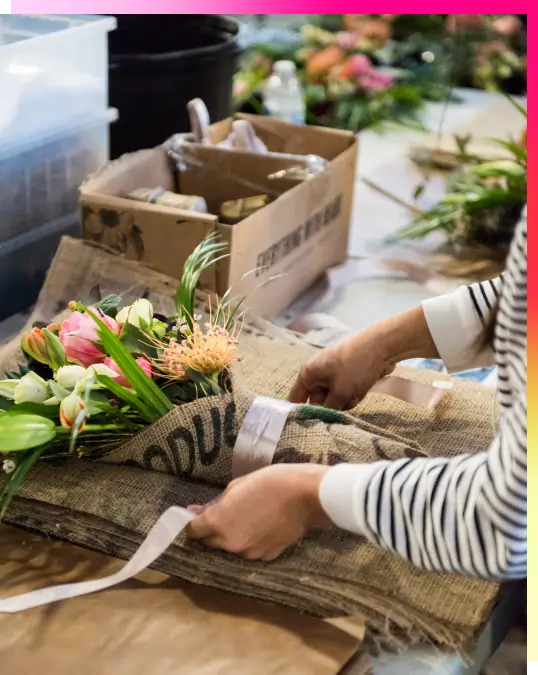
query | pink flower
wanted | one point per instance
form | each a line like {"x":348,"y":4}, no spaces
{"x":346,"y":39}
{"x":78,"y":333}
{"x":375,"y":81}
{"x":355,"y":67}
{"x":142,"y":362}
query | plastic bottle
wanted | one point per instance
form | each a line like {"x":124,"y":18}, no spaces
{"x":283,"y":94}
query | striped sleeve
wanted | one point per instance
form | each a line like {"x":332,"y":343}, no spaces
{"x":466,"y":515}
{"x":457,"y":320}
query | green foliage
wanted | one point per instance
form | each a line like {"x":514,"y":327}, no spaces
{"x":204,"y":256}
{"x":109,"y":305}
{"x":20,"y":432}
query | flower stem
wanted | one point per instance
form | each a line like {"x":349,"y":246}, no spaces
{"x":93,"y":428}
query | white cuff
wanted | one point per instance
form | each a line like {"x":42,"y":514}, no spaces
{"x":456,"y":329}
{"x":342,"y":491}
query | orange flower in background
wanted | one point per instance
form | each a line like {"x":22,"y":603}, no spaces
{"x":319,"y":64}
{"x":523,"y":139}
{"x":507,"y":25}
{"x":375,"y":31}
{"x":351,"y":20}
{"x":457,"y":22}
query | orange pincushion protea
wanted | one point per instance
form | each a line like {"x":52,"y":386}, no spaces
{"x":208,"y":352}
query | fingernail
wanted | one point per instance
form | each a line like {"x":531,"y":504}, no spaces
{"x":195,"y":508}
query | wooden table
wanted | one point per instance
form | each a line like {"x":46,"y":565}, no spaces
{"x":163,"y":626}
{"x":153,"y":624}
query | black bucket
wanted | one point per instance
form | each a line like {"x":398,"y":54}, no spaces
{"x":158,"y":63}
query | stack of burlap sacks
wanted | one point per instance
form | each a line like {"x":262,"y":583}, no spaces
{"x":109,"y":504}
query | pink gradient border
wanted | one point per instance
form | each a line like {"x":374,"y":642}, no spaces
{"x":402,"y":7}
{"x":246,"y":6}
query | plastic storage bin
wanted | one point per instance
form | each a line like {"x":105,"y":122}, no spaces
{"x":40,"y":178}
{"x":24,"y":262}
{"x":53,"y":69}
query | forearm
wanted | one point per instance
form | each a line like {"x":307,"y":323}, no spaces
{"x":465,"y":515}
{"x":448,"y":327}
{"x":405,"y":336}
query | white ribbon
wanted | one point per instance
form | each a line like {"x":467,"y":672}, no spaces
{"x":259,"y":434}
{"x":173,"y":521}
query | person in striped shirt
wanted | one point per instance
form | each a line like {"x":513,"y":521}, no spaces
{"x":467,"y":514}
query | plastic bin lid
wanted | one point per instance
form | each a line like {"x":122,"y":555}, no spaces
{"x":15,"y":28}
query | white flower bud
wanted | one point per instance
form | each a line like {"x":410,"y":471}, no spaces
{"x":31,"y":389}
{"x":68,"y":376}
{"x":140,"y":312}
{"x":70,"y":408}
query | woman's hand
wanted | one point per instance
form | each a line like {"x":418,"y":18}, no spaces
{"x":341,"y":376}
{"x":262,"y":514}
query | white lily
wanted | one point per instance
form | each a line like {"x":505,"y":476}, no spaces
{"x":31,"y":389}
{"x":68,"y":376}
{"x":140,"y":312}
{"x":7,"y":388}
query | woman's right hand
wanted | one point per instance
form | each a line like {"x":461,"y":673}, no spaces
{"x":340,"y":376}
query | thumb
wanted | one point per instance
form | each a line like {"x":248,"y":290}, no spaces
{"x":299,"y":392}
{"x":202,"y":526}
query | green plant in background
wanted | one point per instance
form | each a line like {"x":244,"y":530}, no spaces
{"x":484,"y":199}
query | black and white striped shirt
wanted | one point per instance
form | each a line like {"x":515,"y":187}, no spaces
{"x":467,"y":514}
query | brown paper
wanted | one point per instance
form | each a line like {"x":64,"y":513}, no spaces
{"x":152,"y":624}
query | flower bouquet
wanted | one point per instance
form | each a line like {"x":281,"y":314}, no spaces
{"x":349,"y":81}
{"x":107,"y":371}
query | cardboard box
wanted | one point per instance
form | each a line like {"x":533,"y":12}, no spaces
{"x":291,"y":242}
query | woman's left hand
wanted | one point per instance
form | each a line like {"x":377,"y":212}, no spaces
{"x":260,"y":515}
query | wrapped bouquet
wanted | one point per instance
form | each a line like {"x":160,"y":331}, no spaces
{"x":124,"y":412}
{"x":107,"y":371}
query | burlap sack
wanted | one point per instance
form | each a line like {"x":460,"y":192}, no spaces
{"x":109,"y":504}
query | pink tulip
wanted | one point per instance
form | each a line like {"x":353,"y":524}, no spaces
{"x":142,"y":362}
{"x":78,"y":333}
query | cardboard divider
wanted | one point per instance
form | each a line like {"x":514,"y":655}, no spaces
{"x":221,"y":174}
